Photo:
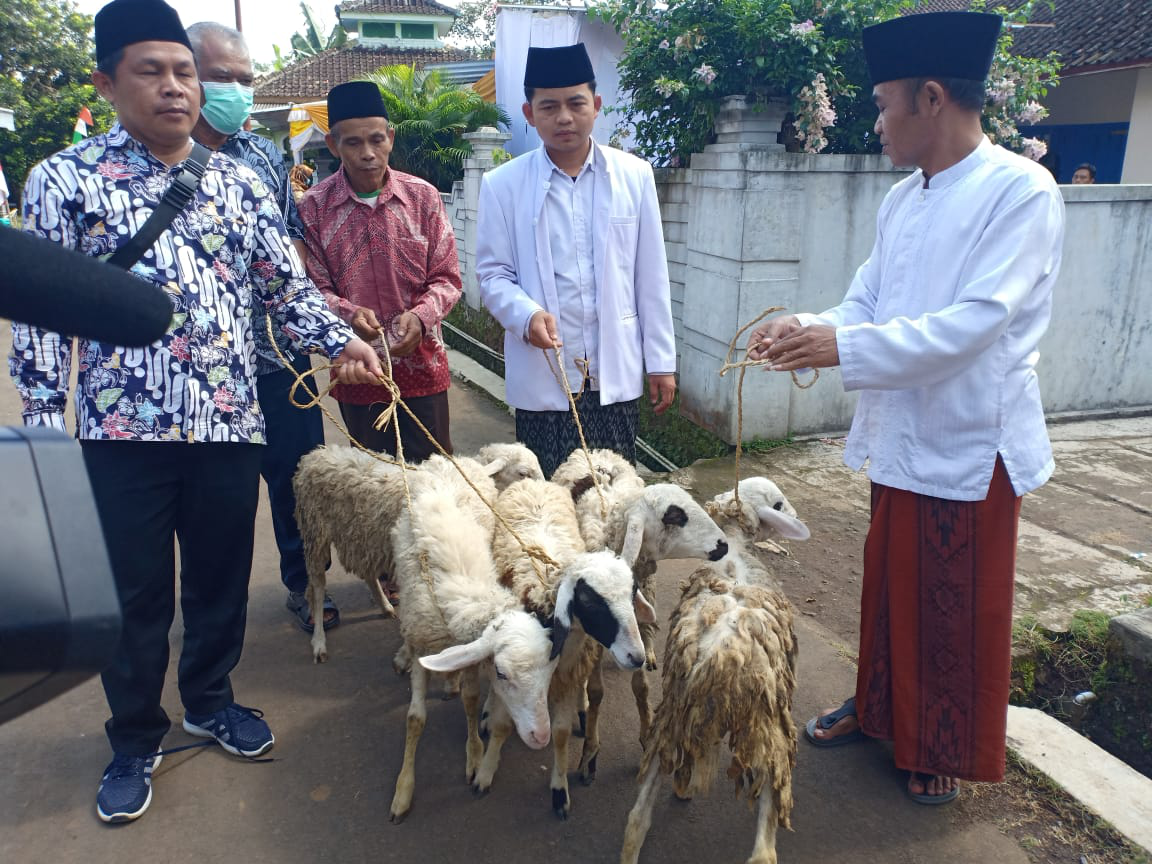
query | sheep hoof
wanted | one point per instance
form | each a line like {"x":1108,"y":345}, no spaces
{"x":560,"y":803}
{"x":479,"y":791}
{"x":588,"y":772}
{"x":397,"y":818}
{"x":320,"y":657}
{"x":582,"y":725}
{"x":650,"y":665}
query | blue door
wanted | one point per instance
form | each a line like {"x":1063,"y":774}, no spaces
{"x":1102,"y":144}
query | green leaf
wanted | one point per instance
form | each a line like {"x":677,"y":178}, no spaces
{"x":105,"y":399}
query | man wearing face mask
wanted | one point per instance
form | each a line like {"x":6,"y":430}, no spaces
{"x":225,"y":69}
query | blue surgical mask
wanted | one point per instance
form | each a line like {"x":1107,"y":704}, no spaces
{"x":226,"y":106}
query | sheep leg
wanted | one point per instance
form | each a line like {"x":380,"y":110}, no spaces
{"x":764,"y":852}
{"x":595,"y":695}
{"x":417,"y":714}
{"x":648,"y":637}
{"x":470,"y":692}
{"x":402,"y":661}
{"x":452,"y":685}
{"x":377,"y":591}
{"x":640,"y":691}
{"x":499,"y":728}
{"x":317,"y":584}
{"x":562,"y":716}
{"x":640,"y":819}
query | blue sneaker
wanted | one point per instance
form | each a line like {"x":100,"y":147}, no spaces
{"x":126,"y":788}
{"x":237,"y":729}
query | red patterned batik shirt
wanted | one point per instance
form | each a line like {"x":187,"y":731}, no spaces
{"x":397,"y":255}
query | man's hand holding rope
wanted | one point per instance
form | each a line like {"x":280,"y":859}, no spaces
{"x":788,"y":346}
{"x":357,"y":364}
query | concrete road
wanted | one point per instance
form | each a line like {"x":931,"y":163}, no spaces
{"x":340,"y":730}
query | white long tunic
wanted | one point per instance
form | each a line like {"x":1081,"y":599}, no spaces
{"x":940,"y":328}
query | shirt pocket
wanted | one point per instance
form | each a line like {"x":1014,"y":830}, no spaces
{"x":409,"y":256}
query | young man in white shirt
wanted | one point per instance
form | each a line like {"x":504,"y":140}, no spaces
{"x":939,"y":332}
{"x":571,"y":256}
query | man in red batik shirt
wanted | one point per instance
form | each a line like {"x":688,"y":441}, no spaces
{"x":382,"y":251}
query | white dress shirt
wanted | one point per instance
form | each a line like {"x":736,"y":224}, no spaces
{"x":569,"y":211}
{"x":940,"y":328}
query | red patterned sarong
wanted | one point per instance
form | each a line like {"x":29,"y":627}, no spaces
{"x":936,"y":628}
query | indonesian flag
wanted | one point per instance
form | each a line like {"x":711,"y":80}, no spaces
{"x":83,"y":123}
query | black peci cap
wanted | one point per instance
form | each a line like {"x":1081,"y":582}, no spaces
{"x":355,"y":99}
{"x":934,"y":44}
{"x":125,"y":22}
{"x":558,"y":67}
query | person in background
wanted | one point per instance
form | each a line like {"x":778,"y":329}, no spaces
{"x":383,"y":253}
{"x":225,"y":69}
{"x":170,"y":433}
{"x":571,"y":254}
{"x":939,"y":333}
{"x":1085,"y":174}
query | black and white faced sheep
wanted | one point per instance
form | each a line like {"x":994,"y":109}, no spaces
{"x":592,"y":595}
{"x":729,"y":674}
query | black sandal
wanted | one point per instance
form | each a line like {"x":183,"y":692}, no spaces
{"x":297,"y":604}
{"x":848,"y":709}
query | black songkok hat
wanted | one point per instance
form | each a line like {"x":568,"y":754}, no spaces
{"x":558,"y":67}
{"x":933,"y":44}
{"x":125,"y":22}
{"x":355,"y":99}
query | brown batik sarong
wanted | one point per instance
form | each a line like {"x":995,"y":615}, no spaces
{"x":936,"y":628}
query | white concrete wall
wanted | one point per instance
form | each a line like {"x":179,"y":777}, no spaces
{"x":748,"y":228}
{"x":1138,"y":155}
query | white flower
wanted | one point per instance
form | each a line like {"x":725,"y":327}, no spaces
{"x":1033,"y":148}
{"x":802,"y":29}
{"x":1032,"y":112}
{"x":1001,"y":90}
{"x":705,"y":73}
{"x":665,"y":45}
{"x":814,"y":115}
{"x":667,"y":86}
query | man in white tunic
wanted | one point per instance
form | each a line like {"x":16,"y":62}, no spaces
{"x":939,"y":333}
{"x":571,"y":255}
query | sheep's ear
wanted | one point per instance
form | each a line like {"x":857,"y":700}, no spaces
{"x":633,"y":537}
{"x":645,"y":614}
{"x":495,"y":466}
{"x":786,"y":526}
{"x":559,"y":636}
{"x":458,"y":657}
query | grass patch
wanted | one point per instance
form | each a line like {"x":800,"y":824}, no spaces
{"x":1050,"y":668}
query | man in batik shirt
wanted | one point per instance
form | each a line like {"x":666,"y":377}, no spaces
{"x":167,"y":431}
{"x":382,"y":251}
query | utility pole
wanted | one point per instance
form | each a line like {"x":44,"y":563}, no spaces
{"x":239,"y":26}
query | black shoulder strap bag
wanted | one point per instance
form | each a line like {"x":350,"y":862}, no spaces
{"x":181,"y":191}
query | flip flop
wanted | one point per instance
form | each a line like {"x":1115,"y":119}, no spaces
{"x":848,"y":709}
{"x":930,"y":800}
{"x":297,"y":604}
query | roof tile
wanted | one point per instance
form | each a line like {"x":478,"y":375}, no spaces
{"x":311,"y":79}
{"x":405,"y":7}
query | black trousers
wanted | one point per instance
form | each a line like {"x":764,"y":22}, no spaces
{"x":552,"y":435}
{"x":432,"y":411}
{"x":148,"y":494}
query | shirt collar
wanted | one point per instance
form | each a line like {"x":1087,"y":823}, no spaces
{"x":963,"y":168}
{"x":594,"y":160}
{"x":390,"y":188}
{"x":118,"y":136}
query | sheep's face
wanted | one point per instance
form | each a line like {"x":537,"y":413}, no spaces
{"x":510,"y":463}
{"x":597,"y":589}
{"x":518,"y":651}
{"x":665,"y":522}
{"x":521,"y":671}
{"x":774,"y":514}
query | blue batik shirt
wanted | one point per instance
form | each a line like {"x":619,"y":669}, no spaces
{"x":261,"y":155}
{"x":227,"y":247}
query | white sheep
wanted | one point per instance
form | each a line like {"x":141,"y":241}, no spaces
{"x":457,"y":615}
{"x":592,"y":595}
{"x":729,"y":673}
{"x":349,"y":499}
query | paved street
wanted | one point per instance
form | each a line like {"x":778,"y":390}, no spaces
{"x":340,"y":728}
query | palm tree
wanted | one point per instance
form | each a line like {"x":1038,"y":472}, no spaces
{"x":309,"y":43}
{"x":430,"y":115}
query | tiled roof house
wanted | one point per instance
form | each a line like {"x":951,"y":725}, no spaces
{"x":1102,"y":111}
